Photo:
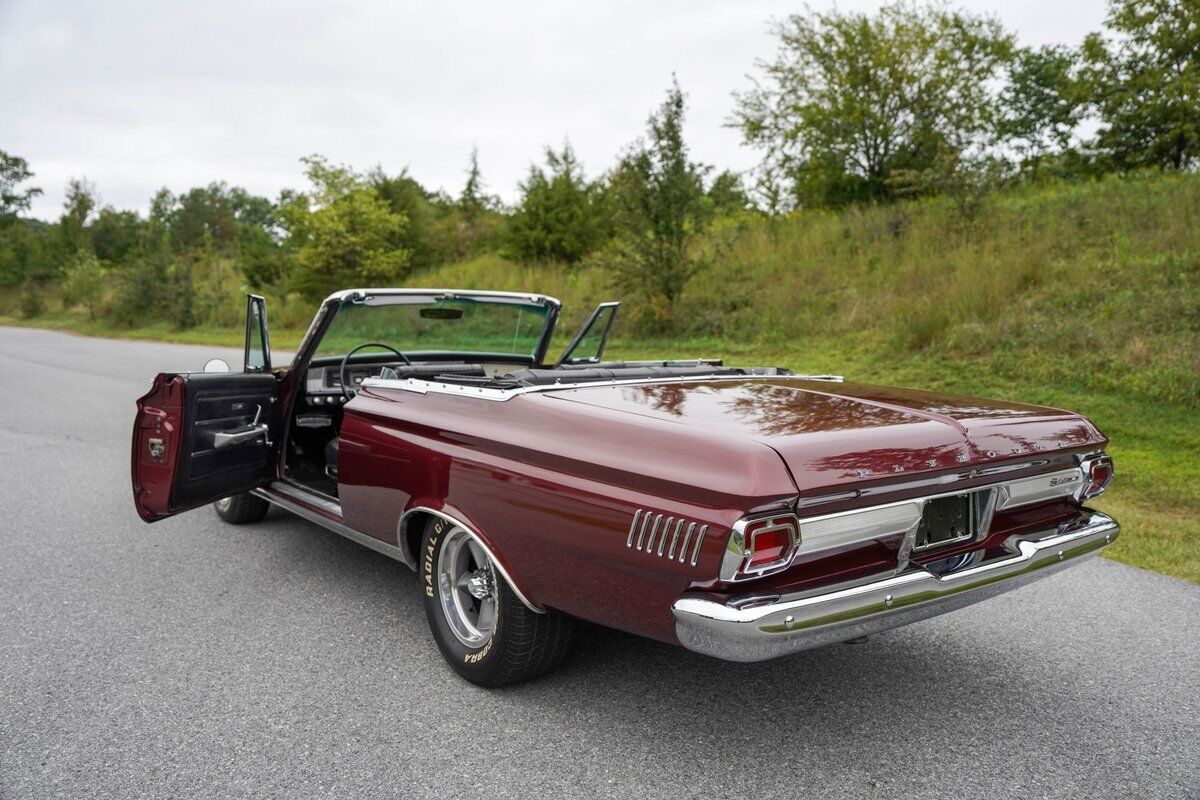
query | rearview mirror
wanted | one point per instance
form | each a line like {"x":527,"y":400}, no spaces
{"x":216,"y":365}
{"x":441,"y":313}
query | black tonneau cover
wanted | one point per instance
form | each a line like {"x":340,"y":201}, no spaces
{"x":546,"y":377}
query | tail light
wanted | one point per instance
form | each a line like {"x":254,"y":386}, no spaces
{"x":760,"y":546}
{"x":1097,"y":475}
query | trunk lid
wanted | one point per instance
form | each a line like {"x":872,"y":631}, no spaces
{"x":831,"y":433}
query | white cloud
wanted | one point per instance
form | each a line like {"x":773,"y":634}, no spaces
{"x":139,"y":95}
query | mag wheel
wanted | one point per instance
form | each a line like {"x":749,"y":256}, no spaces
{"x":241,"y":509}
{"x":482,"y":628}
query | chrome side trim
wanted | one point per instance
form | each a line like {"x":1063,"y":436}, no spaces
{"x":674,"y":540}
{"x":642,"y":530}
{"x":298,"y":492}
{"x":801,"y":621}
{"x":655,"y":531}
{"x":500,"y":395}
{"x":273,"y":494}
{"x":637,"y":516}
{"x":1040,"y":488}
{"x":686,"y":537}
{"x":478,"y":540}
{"x":663,"y":539}
{"x":699,"y":541}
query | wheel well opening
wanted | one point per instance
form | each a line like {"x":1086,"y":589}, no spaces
{"x":412,"y":526}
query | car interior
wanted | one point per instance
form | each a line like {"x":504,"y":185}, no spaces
{"x":313,"y":443}
{"x":484,"y":340}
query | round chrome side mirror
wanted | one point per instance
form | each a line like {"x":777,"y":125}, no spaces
{"x":216,"y":365}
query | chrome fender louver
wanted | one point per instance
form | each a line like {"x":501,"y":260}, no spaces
{"x":673,"y":538}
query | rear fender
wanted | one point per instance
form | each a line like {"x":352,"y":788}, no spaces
{"x":411,"y":527}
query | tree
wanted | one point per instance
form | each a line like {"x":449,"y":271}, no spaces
{"x":204,"y":215}
{"x":344,"y":233}
{"x":405,"y":195}
{"x":727,"y":193}
{"x":25,"y":252}
{"x":14,"y":171}
{"x":660,"y":208}
{"x":84,"y":280}
{"x":469,"y":224}
{"x":227,"y":223}
{"x":1043,"y":102}
{"x":560,"y":215}
{"x":115,"y":234}
{"x":852,"y":99}
{"x":474,"y":200}
{"x":143,"y":283}
{"x":1147,"y":84}
{"x":80,"y":202}
{"x":259,"y":234}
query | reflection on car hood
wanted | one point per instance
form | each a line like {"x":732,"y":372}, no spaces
{"x":831,"y":433}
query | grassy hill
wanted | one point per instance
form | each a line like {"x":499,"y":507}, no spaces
{"x":1083,"y":296}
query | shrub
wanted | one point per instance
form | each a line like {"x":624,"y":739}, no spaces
{"x":83,"y":282}
{"x":31,"y":303}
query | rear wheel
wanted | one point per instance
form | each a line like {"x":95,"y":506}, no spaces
{"x":242,"y":509}
{"x":482,"y":628}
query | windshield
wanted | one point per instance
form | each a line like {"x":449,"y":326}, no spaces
{"x":431,"y":324}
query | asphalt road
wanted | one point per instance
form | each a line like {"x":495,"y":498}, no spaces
{"x":194,"y":659}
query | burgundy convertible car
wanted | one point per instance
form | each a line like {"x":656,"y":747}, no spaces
{"x":743,"y":512}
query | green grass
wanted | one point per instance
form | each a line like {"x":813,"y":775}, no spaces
{"x":1082,"y":296}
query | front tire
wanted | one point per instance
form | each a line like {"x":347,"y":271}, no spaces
{"x":484,"y":631}
{"x":242,"y":509}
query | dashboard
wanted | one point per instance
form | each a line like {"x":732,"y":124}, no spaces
{"x":323,"y":385}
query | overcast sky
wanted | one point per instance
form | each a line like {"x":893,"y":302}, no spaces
{"x":140,"y":95}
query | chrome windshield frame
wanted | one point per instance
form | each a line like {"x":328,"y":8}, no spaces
{"x":330,"y":305}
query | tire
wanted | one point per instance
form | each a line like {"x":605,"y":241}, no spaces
{"x":242,"y":509}
{"x":510,"y":644}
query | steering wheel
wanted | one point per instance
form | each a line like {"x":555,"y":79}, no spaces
{"x":346,"y":390}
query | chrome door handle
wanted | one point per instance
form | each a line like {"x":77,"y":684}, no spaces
{"x":240,"y":435}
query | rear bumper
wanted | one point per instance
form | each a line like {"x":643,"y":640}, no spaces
{"x":798,"y":622}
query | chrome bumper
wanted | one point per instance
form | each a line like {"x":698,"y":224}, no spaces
{"x":801,"y":621}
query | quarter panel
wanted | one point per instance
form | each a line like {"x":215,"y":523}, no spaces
{"x":554,"y":487}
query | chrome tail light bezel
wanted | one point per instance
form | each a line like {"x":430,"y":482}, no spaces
{"x":1093,"y":486}
{"x":739,"y":550}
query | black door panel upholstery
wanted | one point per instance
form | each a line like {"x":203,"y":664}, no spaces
{"x":224,"y":402}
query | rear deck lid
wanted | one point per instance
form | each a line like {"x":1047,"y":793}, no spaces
{"x":832,"y":433}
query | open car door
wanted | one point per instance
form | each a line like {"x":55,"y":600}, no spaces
{"x":588,"y":345}
{"x":203,"y":436}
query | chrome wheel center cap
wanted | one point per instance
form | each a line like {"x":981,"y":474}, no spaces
{"x":479,"y":585}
